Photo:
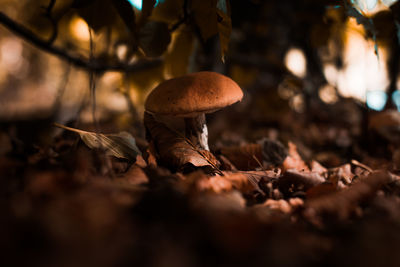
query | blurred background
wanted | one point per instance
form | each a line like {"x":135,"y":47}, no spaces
{"x":304,"y":52}
{"x":320,"y":66}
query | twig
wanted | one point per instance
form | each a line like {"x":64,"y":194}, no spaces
{"x":258,"y":162}
{"x":54,"y":22}
{"x":68,"y":128}
{"x":78,"y":61}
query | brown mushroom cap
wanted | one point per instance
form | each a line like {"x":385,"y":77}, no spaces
{"x":192,"y":94}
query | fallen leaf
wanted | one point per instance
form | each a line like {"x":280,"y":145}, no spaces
{"x":121,"y":145}
{"x":342,"y":173}
{"x":293,"y":180}
{"x":226,"y":164}
{"x":341,"y":204}
{"x":247,"y":157}
{"x":293,"y":160}
{"x":199,"y":181}
{"x":246,"y":181}
{"x":135,"y":176}
{"x":151,"y":154}
{"x":174,"y":150}
{"x":317,"y":167}
{"x":251,"y":156}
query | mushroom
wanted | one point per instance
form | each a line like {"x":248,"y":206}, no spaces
{"x":191,"y":97}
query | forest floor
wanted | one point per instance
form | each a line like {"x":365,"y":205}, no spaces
{"x":321,"y":189}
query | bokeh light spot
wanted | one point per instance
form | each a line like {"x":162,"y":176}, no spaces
{"x":396,"y":99}
{"x":79,"y":29}
{"x":295,"y":61}
{"x":376,"y":100}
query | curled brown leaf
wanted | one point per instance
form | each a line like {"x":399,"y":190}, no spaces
{"x":174,"y":150}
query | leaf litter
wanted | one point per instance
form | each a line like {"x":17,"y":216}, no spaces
{"x":251,"y":199}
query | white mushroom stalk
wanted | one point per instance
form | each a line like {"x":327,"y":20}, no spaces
{"x":196,"y":131}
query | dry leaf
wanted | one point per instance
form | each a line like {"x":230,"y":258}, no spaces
{"x":121,"y":145}
{"x":251,"y":156}
{"x":293,"y":160}
{"x":226,"y":164}
{"x":174,"y":150}
{"x":343,"y":203}
{"x":342,"y":173}
{"x":199,"y":181}
{"x":151,"y":154}
{"x":246,"y":181}
{"x":135,"y":176}
{"x":317,"y":167}
{"x":247,"y":157}
{"x":293,"y":180}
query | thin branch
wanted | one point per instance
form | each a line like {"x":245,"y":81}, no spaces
{"x":54,"y":22}
{"x":78,"y":61}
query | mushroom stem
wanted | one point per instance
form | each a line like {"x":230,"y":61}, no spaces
{"x":196,"y":131}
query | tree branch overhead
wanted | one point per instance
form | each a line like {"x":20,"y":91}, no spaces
{"x":78,"y":61}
